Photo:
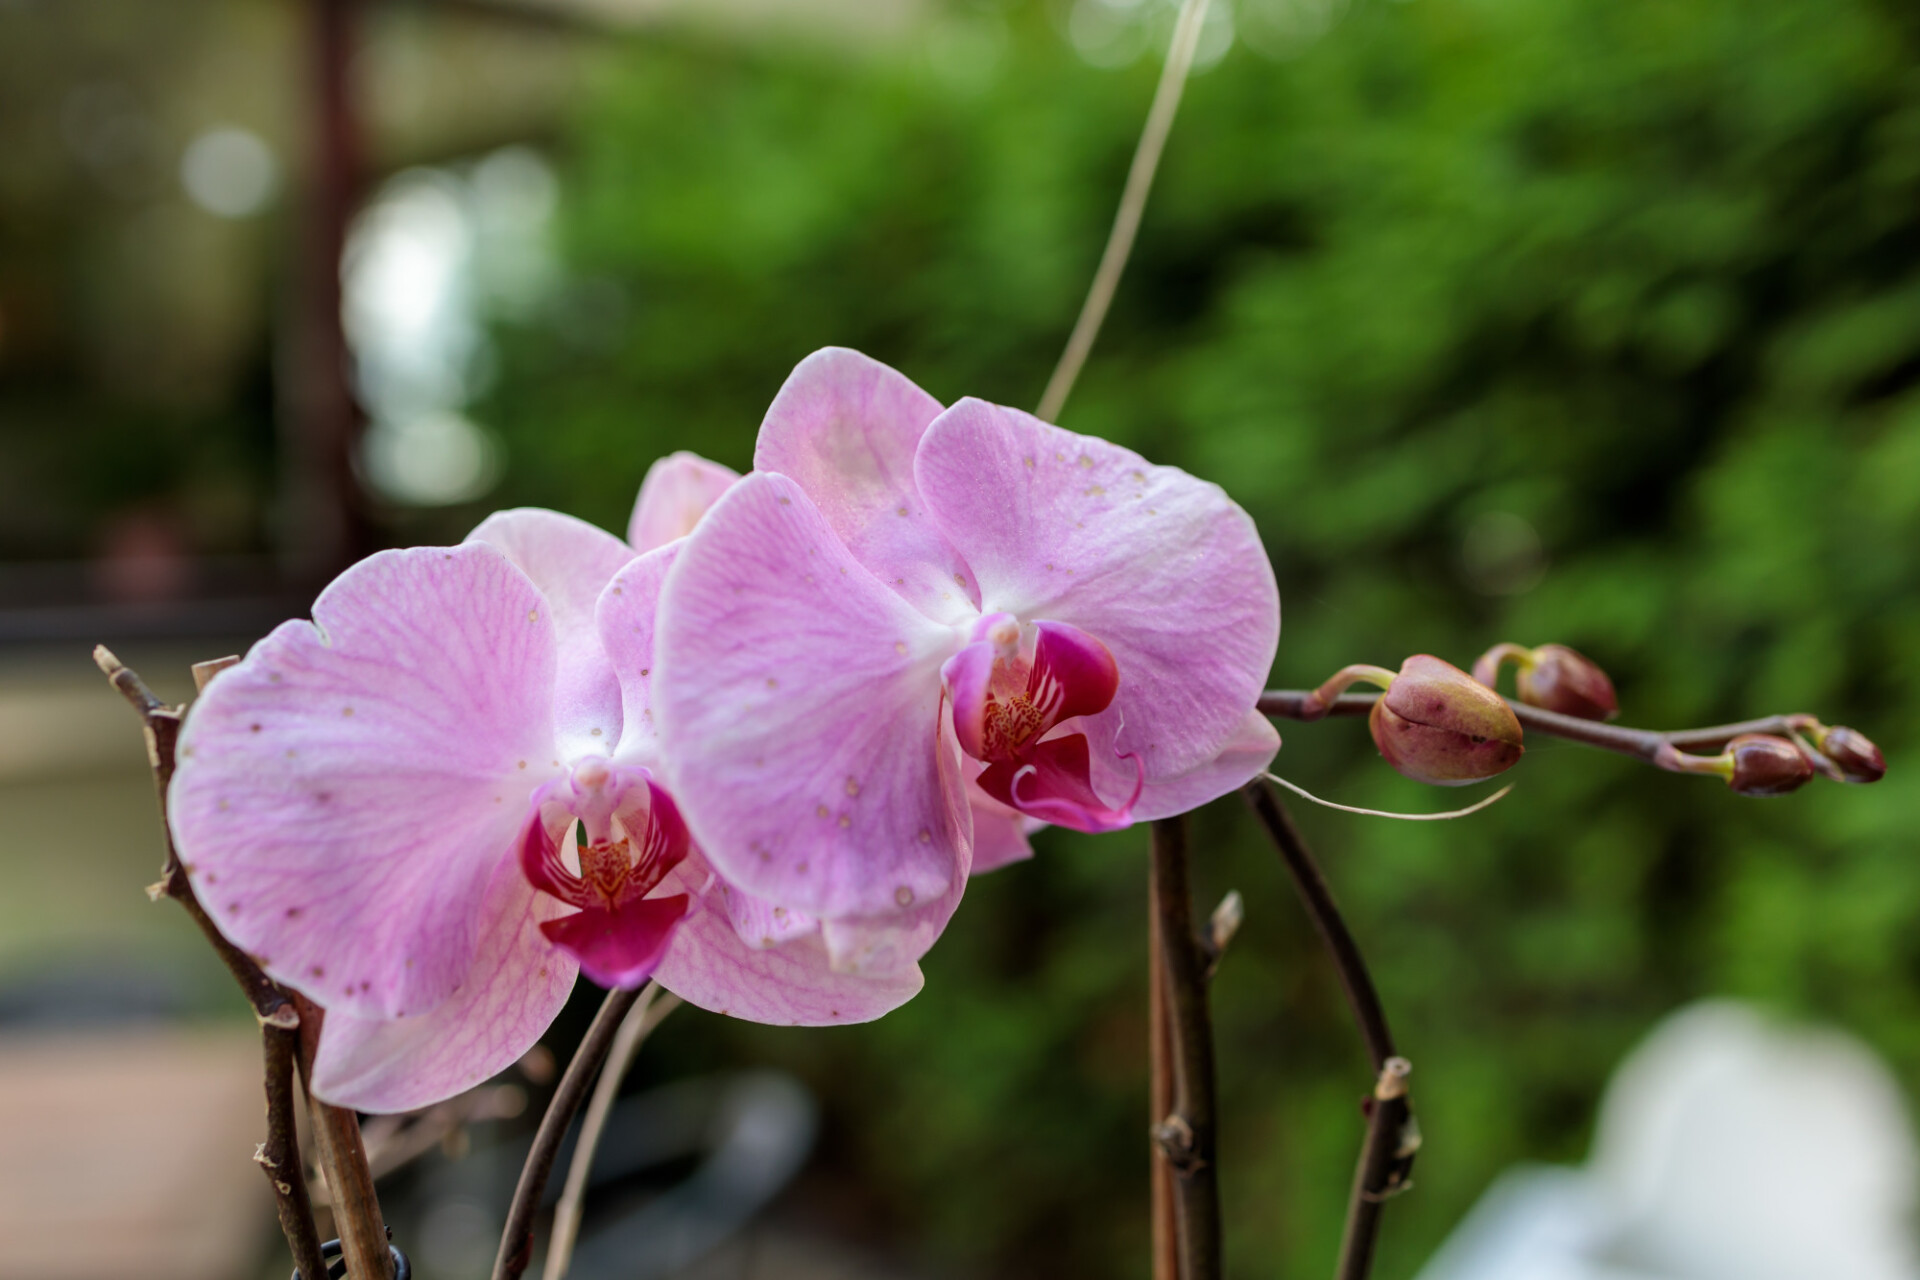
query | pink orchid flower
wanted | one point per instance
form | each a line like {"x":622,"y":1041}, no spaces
{"x":913,"y":633}
{"x":386,"y":807}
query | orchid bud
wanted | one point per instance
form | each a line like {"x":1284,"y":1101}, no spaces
{"x":1760,"y":764}
{"x":1553,"y":678}
{"x":1569,"y":682}
{"x":1436,"y":724}
{"x":1853,"y":753}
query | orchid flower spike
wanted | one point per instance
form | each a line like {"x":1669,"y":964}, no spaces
{"x":432,"y":805}
{"x":914,"y":633}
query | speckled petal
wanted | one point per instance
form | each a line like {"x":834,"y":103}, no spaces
{"x":346,"y":793}
{"x":799,"y":708}
{"x":678,"y":490}
{"x":844,"y":428}
{"x":626,"y":617}
{"x":792,"y":984}
{"x":1162,"y":568}
{"x":513,"y":992}
{"x":570,"y":562}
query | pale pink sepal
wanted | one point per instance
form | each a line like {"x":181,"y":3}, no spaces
{"x":515,"y":988}
{"x":792,"y":984}
{"x":626,"y":617}
{"x":345,"y":794}
{"x":999,"y":833}
{"x":678,"y":490}
{"x":844,"y":428}
{"x":1163,"y":569}
{"x":799,"y":706}
{"x":570,"y":562}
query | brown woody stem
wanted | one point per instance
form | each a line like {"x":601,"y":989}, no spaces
{"x":279,"y":1155}
{"x":516,"y":1242}
{"x":1386,"y":1153}
{"x":1185,"y":1135}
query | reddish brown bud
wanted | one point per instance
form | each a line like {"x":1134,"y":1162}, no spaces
{"x":1764,"y":765}
{"x":1854,"y":754}
{"x":1436,"y":724}
{"x":1569,"y":682}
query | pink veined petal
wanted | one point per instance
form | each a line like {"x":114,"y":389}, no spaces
{"x":844,"y":428}
{"x":1165,"y":570}
{"x":345,"y":794}
{"x":799,"y":708}
{"x":515,"y":988}
{"x":792,"y":984}
{"x":678,"y":490}
{"x":1244,"y":758}
{"x":999,"y":833}
{"x":570,"y":562}
{"x":1053,"y":784}
{"x":761,"y":924}
{"x":621,"y":946}
{"x":625,"y":617}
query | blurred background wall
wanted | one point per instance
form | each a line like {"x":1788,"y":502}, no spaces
{"x":1586,"y":320}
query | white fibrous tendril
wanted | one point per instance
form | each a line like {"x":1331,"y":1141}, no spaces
{"x":1382,"y":813}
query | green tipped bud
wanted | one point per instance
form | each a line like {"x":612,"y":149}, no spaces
{"x":1553,"y":678}
{"x":1853,"y":753}
{"x":1760,"y":764}
{"x":1436,"y":724}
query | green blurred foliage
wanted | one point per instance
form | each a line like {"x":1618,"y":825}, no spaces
{"x":1644,"y":275}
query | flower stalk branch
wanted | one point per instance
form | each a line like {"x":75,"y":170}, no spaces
{"x":648,"y":1012}
{"x":1184,"y":1135}
{"x":1837,"y":752}
{"x":516,"y":1242}
{"x":279,"y":1155}
{"x":1392,"y":1137}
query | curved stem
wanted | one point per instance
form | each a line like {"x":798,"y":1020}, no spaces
{"x":516,"y":1242}
{"x":1133,"y":202}
{"x":649,"y":1012}
{"x":1642,"y":744}
{"x":1386,"y":1152}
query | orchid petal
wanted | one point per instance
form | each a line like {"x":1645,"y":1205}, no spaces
{"x":967,"y":677}
{"x":515,"y":988}
{"x":1052,"y":783}
{"x":678,"y":490}
{"x":619,"y":946}
{"x":844,"y":428}
{"x":761,"y":924}
{"x":570,"y":562}
{"x":625,"y":617}
{"x":792,"y":984}
{"x":1164,"y":569}
{"x":799,"y":705}
{"x":999,"y":833}
{"x":1244,"y":758}
{"x":346,"y":793}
